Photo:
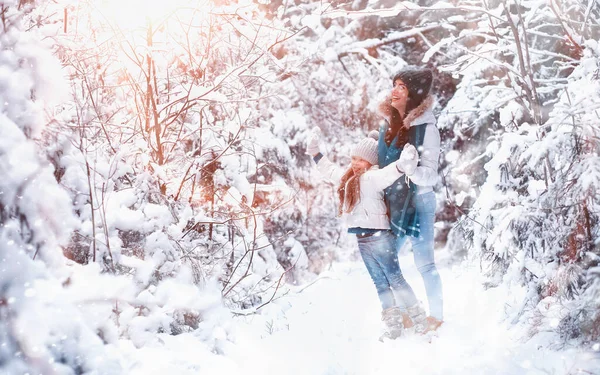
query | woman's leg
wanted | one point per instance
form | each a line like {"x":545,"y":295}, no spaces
{"x":382,"y":285}
{"x":387,"y":256}
{"x":424,"y":257}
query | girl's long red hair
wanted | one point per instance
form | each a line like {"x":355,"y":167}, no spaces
{"x":349,"y":191}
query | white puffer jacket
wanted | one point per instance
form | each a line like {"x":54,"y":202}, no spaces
{"x":426,"y":174}
{"x":370,"y":212}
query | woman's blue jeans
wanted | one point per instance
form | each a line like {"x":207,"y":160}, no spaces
{"x":381,"y":259}
{"x":423,"y":253}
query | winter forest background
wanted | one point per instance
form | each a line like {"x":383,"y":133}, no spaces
{"x":154,"y":182}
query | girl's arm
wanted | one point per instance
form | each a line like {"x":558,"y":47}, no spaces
{"x":328,"y":170}
{"x":426,"y":173}
{"x":379,"y":179}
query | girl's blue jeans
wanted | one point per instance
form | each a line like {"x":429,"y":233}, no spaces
{"x":379,"y":252}
{"x":423,"y":253}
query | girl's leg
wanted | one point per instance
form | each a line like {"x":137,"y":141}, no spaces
{"x":424,"y":257}
{"x":387,"y":256}
{"x":377,"y":275}
{"x":400,"y":240}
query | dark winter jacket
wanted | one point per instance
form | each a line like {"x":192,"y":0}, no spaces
{"x":399,"y":197}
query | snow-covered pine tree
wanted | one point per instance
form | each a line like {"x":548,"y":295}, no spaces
{"x":531,"y":222}
{"x":39,"y":331}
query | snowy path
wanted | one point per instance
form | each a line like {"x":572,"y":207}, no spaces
{"x":332,"y":328}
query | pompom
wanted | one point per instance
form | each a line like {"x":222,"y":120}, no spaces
{"x":374,"y":134}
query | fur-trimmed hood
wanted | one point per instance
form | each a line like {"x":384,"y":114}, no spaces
{"x":423,"y":114}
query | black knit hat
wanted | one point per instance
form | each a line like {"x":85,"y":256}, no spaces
{"x":418,"y":82}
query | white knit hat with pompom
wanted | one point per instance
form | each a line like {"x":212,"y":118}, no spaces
{"x":367,"y":150}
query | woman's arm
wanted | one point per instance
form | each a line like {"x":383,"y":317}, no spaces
{"x":426,"y":173}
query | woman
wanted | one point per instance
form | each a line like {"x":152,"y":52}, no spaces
{"x":360,"y":192}
{"x":412,"y":207}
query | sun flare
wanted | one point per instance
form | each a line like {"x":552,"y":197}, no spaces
{"x":131,"y":14}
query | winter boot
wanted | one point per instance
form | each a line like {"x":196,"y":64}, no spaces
{"x":407,"y":321}
{"x":418,"y":317}
{"x":432,"y":324}
{"x":392,"y":318}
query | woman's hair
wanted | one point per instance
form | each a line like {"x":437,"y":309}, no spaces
{"x":398,"y":128}
{"x":349,"y":191}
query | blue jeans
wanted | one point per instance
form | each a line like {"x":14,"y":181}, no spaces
{"x":423,"y":254}
{"x":381,"y":260}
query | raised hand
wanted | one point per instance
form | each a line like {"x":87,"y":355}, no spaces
{"x":409,"y":158}
{"x":313,"y":146}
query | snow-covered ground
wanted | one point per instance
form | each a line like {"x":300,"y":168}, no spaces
{"x":332,"y":327}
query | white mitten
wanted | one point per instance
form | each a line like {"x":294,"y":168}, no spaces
{"x":409,"y":158}
{"x":313,"y":146}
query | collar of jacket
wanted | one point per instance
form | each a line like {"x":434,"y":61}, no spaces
{"x":372,"y":168}
{"x":423,"y":114}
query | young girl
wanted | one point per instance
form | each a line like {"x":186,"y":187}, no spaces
{"x":361,"y":198}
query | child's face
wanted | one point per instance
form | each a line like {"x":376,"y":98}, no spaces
{"x":359,"y":164}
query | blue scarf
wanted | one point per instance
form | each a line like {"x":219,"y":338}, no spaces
{"x":400,"y":196}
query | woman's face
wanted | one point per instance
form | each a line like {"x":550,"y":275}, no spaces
{"x":359,"y":164}
{"x":399,"y":95}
